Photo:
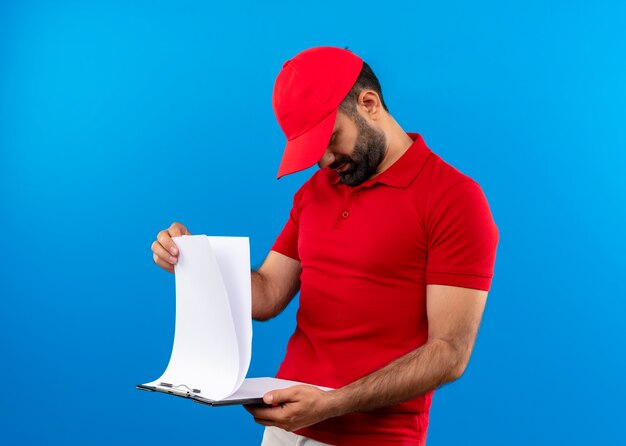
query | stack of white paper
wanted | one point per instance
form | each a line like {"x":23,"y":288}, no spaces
{"x":213,"y":335}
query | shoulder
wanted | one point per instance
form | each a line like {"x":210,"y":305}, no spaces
{"x":441,"y":179}
{"x":458,"y":203}
{"x":443,"y":174}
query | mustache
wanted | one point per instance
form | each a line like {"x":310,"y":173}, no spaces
{"x":339,"y":161}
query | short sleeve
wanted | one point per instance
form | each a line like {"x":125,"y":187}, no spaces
{"x":287,"y":241}
{"x":462,"y":239}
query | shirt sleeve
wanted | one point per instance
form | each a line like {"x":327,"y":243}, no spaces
{"x":287,"y":241}
{"x":462,"y":239}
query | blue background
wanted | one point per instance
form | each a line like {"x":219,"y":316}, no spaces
{"x":117,"y":118}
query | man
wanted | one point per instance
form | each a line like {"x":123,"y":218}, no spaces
{"x":392,"y":250}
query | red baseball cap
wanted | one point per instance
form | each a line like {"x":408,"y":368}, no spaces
{"x":307,"y":94}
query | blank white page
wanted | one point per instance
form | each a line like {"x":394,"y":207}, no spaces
{"x":233,"y":258}
{"x":205,"y":354}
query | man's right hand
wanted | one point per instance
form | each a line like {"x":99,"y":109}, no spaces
{"x":164,"y":249}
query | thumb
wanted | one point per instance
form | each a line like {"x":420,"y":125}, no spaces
{"x":277,"y":396}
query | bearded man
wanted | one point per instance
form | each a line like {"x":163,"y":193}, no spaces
{"x":392,"y":251}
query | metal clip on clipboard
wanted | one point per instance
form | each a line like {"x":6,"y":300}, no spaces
{"x":172,"y":389}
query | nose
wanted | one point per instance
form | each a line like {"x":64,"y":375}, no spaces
{"x":326,"y":160}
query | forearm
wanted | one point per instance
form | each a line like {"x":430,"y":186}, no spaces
{"x":435,"y":363}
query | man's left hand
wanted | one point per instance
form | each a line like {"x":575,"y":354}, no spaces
{"x":293,"y":408}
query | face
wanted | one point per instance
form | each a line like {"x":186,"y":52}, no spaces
{"x":355,"y":151}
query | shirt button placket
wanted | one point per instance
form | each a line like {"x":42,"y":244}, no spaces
{"x":345,"y":213}
{"x":352,"y":196}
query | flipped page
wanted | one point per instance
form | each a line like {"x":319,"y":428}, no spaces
{"x":213,"y":333}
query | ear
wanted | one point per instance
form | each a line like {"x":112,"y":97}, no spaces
{"x":369,"y":104}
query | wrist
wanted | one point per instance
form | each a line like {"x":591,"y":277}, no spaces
{"x":338,"y":402}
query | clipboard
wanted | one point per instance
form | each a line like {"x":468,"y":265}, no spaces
{"x":250,"y":392}
{"x":199,"y":399}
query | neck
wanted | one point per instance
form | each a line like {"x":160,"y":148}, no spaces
{"x":398,"y":142}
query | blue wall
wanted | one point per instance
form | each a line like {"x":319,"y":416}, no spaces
{"x":117,"y":119}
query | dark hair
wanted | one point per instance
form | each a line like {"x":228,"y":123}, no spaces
{"x":367,"y":80}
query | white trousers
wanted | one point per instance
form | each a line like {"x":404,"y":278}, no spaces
{"x":274,"y":436}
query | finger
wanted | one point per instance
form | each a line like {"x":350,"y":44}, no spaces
{"x":163,"y":254}
{"x":166,"y":241}
{"x":281,"y":396}
{"x":265,"y":422}
{"x":260,"y":412}
{"x":163,"y":264}
{"x":177,"y":229}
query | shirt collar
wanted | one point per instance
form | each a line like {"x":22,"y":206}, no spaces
{"x":404,"y":170}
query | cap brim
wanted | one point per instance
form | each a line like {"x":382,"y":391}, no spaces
{"x":307,"y":149}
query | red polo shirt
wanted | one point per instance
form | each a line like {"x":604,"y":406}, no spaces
{"x":367,"y":254}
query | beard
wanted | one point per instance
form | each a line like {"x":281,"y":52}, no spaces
{"x":369,"y":150}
